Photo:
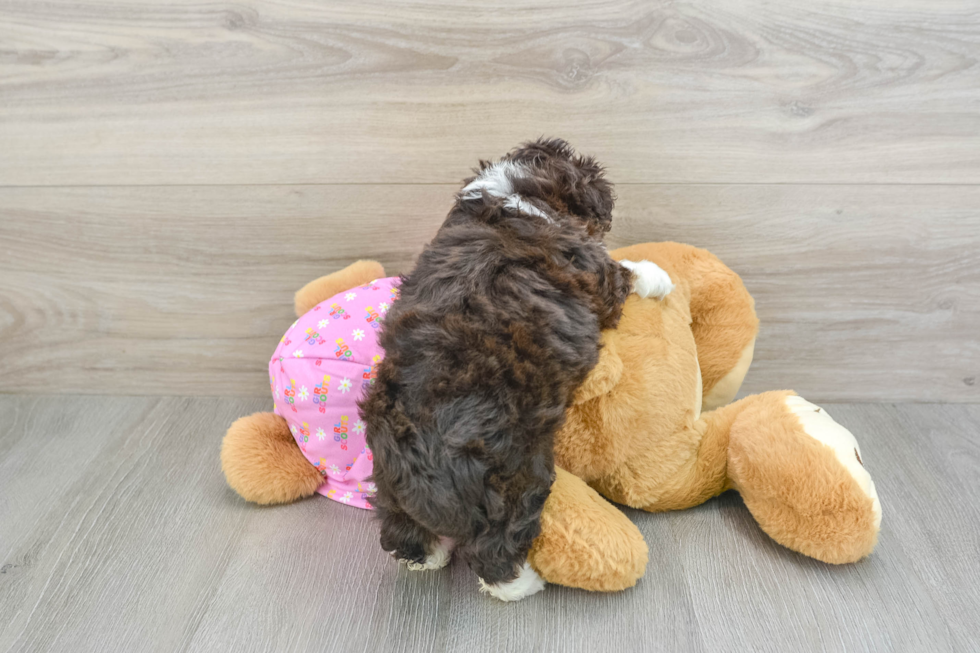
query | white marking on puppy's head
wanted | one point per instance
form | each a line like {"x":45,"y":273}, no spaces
{"x":495,"y":180}
{"x":518,"y":203}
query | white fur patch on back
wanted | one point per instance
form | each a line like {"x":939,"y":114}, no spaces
{"x":649,"y":279}
{"x":527,"y":583}
{"x":821,"y":427}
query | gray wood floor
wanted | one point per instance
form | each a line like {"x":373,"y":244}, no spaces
{"x":118,"y":534}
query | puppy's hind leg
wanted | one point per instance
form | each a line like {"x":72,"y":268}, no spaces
{"x":409,"y":542}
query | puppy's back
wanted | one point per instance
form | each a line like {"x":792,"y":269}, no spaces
{"x":482,"y":351}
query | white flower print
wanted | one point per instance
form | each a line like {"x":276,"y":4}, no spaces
{"x":384,"y":307}
{"x":320,"y":434}
{"x":292,"y":325}
{"x":322,"y":323}
{"x":344,"y":386}
{"x":359,"y":427}
{"x":372,"y":488}
{"x":292,"y":429}
{"x":347,"y":497}
{"x":349,"y":296}
{"x":276,"y":394}
{"x":358,"y":334}
{"x":303,"y":393}
{"x":334,"y":470}
{"x":298,"y":353}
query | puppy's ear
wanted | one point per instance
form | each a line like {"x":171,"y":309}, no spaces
{"x":604,"y":376}
{"x":591,"y":195}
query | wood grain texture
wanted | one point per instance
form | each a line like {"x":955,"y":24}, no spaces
{"x":863,"y":292}
{"x":297,"y":91}
{"x":122,"y":536}
{"x":171,"y":172}
{"x":866,"y":293}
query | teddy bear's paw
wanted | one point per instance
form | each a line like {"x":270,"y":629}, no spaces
{"x":438,"y":559}
{"x":819,"y":425}
{"x":649,"y":279}
{"x":527,"y":583}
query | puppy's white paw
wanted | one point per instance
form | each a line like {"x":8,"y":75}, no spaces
{"x":649,"y":279}
{"x":438,"y":559}
{"x":527,"y":583}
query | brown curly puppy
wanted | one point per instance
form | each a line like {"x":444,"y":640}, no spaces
{"x":495,"y":329}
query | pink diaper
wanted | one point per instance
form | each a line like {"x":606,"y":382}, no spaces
{"x":321,"y":368}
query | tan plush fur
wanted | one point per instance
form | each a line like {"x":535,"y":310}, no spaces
{"x":262,"y":463}
{"x":586,"y":542}
{"x":724,"y":322}
{"x":794,"y":486}
{"x":637,"y":435}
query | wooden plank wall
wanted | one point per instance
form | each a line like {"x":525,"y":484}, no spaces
{"x":171,"y":173}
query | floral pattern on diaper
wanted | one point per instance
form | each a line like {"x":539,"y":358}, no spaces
{"x":322,"y":367}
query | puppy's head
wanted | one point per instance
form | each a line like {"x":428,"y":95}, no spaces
{"x":566,"y":181}
{"x":547,"y":174}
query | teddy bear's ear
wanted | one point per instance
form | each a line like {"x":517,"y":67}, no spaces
{"x":604,"y":376}
{"x":318,"y":290}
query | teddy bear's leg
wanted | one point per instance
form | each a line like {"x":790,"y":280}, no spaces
{"x":802,"y":476}
{"x":699,"y":451}
{"x":724,"y":325}
{"x":723,"y":318}
{"x":585,"y":542}
{"x":262,"y":463}
{"x":355,"y":274}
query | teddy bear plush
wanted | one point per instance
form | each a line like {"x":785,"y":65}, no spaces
{"x":651,"y":428}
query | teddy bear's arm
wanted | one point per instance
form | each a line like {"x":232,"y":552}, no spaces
{"x":723,"y":318}
{"x":355,"y":274}
{"x":605,"y":375}
{"x":583,"y":446}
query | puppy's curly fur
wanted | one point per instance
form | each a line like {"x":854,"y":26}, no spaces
{"x":495,"y":329}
